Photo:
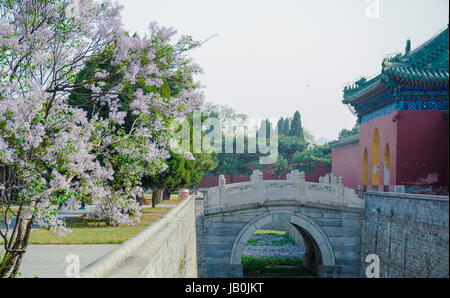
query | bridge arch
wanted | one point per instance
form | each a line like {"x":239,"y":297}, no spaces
{"x":319,"y":251}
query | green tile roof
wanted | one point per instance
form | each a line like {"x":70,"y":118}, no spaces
{"x":425,"y":66}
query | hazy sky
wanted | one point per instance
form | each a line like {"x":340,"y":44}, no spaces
{"x":271,"y":58}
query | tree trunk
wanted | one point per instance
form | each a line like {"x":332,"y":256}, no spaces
{"x":13,"y":257}
{"x":157,"y":197}
{"x":166,"y":195}
{"x":161,"y":196}
{"x":154,"y":198}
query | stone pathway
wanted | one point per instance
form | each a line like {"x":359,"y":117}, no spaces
{"x":49,"y":261}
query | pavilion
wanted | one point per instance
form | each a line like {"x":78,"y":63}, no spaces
{"x":403,"y":143}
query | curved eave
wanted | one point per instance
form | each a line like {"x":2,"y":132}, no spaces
{"x":366,"y":93}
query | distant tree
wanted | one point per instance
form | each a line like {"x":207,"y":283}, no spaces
{"x":267,"y":126}
{"x":235,"y":164}
{"x":281,"y":167}
{"x":309,"y":137}
{"x":344,"y":133}
{"x":296,"y":127}
{"x":183,"y":170}
{"x":306,"y":160}
{"x":287,"y":125}
{"x":288,"y":146}
{"x":280,"y":126}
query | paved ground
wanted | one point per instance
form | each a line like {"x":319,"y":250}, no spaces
{"x":49,"y":261}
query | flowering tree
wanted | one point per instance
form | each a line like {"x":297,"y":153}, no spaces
{"x":50,"y":148}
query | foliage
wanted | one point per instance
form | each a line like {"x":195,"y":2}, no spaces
{"x":235,"y":164}
{"x":281,"y":167}
{"x":296,"y":127}
{"x":272,"y":249}
{"x":184,"y":169}
{"x":50,"y":147}
{"x":306,"y":160}
{"x":288,"y":146}
{"x":309,"y":137}
{"x":344,"y":133}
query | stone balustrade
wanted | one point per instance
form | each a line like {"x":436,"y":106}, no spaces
{"x":330,"y":191}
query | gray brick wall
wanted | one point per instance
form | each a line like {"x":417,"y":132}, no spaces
{"x":200,"y":237}
{"x":165,"y":249}
{"x":408,"y":232}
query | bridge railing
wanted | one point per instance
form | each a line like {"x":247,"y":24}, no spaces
{"x":329,"y":191}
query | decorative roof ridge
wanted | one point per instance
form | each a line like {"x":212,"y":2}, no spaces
{"x":427,"y":47}
{"x":424,"y":51}
{"x":352,"y":92}
{"x":360,"y":84}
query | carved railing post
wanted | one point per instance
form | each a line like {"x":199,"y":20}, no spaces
{"x":222,"y":183}
{"x":257,"y":179}
{"x":326,"y":179}
{"x":298,"y":178}
{"x":302,"y":186}
{"x":333,"y":179}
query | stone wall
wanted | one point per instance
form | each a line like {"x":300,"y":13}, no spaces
{"x":200,"y":237}
{"x":409,"y":233}
{"x":166,"y":249}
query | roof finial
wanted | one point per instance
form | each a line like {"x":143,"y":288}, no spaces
{"x":408,"y":47}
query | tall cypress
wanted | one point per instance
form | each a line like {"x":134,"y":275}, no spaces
{"x":280,"y":126}
{"x":268,"y":129}
{"x":286,"y":127}
{"x":296,"y":126}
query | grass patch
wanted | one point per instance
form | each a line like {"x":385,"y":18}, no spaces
{"x":270,"y":232}
{"x":91,"y":231}
{"x":262,"y":262}
{"x":171,"y":202}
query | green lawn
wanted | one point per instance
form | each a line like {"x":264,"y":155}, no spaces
{"x":172,"y":201}
{"x":90,"y":231}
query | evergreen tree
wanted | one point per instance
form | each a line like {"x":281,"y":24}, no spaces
{"x":296,"y":127}
{"x":287,"y":124}
{"x":280,"y":126}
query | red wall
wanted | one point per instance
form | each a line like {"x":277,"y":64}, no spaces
{"x":212,"y":181}
{"x":320,"y":170}
{"x":419,"y":149}
{"x":387,"y":130}
{"x":422,"y":157}
{"x":346,"y":164}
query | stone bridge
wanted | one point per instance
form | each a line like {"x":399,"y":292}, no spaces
{"x":205,"y":236}
{"x":327,"y":215}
